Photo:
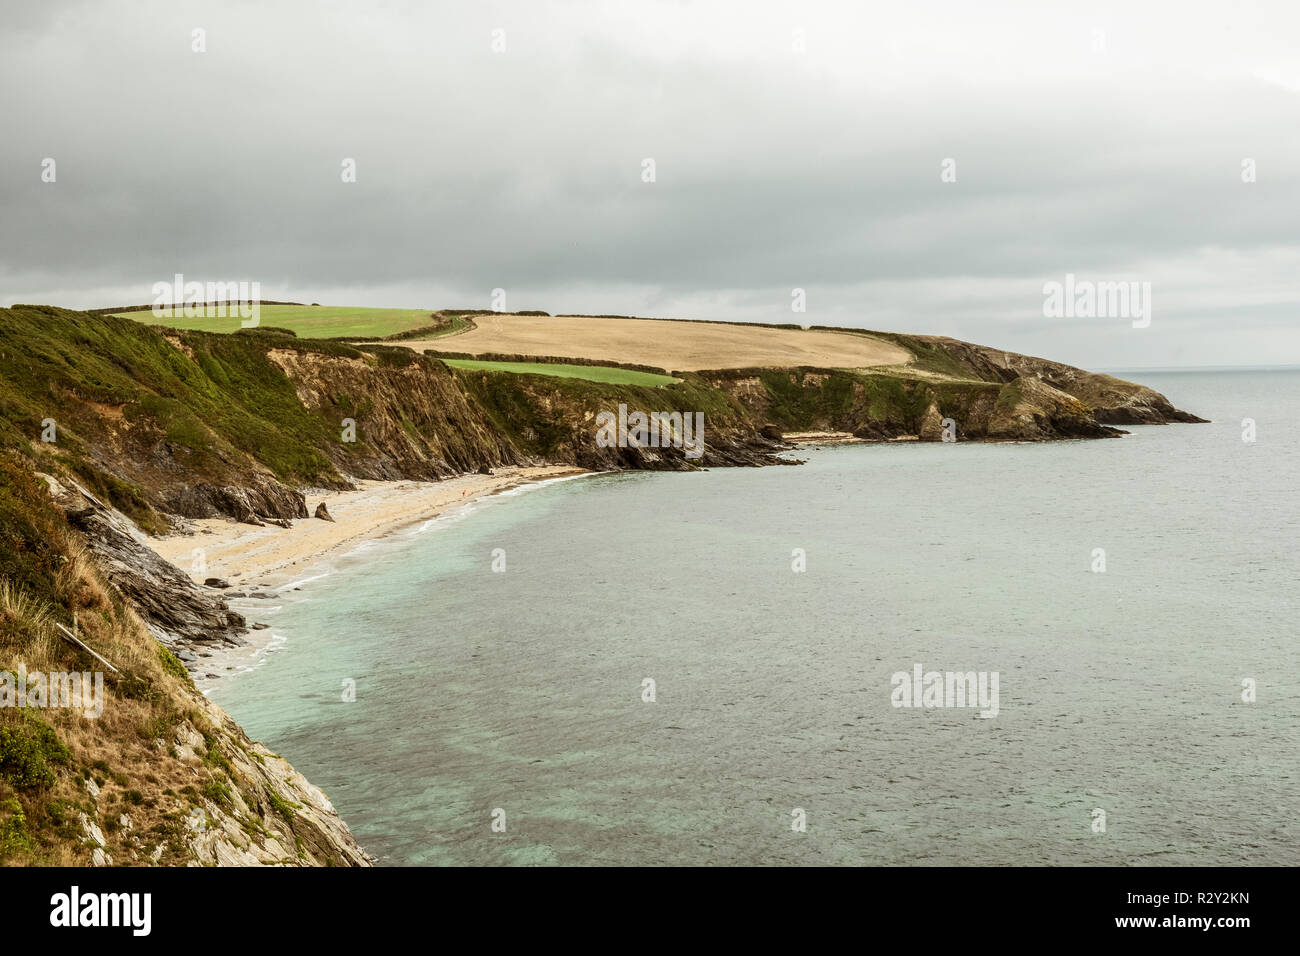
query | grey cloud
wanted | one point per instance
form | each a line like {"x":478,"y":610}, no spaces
{"x":523,"y":170}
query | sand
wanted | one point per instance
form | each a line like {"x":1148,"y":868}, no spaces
{"x":670,"y":345}
{"x":822,"y":438}
{"x":269,"y":556}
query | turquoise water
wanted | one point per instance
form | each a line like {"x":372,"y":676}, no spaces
{"x":522,"y":690}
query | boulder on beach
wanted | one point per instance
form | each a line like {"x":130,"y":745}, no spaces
{"x":216,"y":582}
{"x":322,"y":512}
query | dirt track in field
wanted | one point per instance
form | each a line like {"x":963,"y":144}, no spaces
{"x":671,"y":345}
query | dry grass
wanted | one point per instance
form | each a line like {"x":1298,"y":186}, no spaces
{"x":26,"y":622}
{"x":129,"y":751}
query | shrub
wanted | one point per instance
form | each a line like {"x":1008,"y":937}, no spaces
{"x":172,"y":665}
{"x":27,"y":753}
{"x":13,"y":829}
{"x":218,"y":791}
{"x":281,"y":806}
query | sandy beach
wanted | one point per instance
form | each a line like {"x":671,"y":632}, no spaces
{"x":249,"y":555}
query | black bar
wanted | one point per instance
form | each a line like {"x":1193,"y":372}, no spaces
{"x":942,"y":907}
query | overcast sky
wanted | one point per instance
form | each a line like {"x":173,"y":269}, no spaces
{"x":1101,"y":140}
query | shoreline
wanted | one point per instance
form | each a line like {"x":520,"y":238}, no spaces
{"x":264,"y":560}
{"x":251,"y":556}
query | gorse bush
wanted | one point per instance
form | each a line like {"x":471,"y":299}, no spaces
{"x":28,"y":753}
{"x":13,"y":828}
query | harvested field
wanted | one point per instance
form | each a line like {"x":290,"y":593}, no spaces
{"x":666,"y":344}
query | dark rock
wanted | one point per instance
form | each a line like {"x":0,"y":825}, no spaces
{"x":171,"y":604}
{"x":260,"y":626}
{"x":771,"y":432}
{"x":322,"y":512}
{"x":876,"y":430}
{"x":484,"y":470}
{"x":269,"y":499}
{"x":216,"y":582}
{"x":263,"y":595}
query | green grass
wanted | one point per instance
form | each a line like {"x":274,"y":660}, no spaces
{"x":307,"y":321}
{"x":592,"y":373}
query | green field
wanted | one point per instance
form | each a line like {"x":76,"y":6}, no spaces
{"x":592,"y":373}
{"x":308,"y":321}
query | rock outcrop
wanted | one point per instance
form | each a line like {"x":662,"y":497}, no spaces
{"x":257,"y":504}
{"x":170,"y":779}
{"x":177,"y":611}
{"x":1112,"y":401}
{"x":299,"y":825}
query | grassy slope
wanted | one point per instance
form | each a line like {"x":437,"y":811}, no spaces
{"x":591,"y":373}
{"x":138,"y":411}
{"x":49,"y":757}
{"x":307,"y":321}
{"x":118,"y":392}
{"x":83,"y":371}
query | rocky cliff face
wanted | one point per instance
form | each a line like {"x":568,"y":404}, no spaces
{"x":262,"y":813}
{"x":986,"y":395}
{"x":137,"y":767}
{"x":274,"y":815}
{"x":178,"y":612}
{"x":411,"y":420}
{"x":1112,"y":401}
{"x":267,"y":501}
{"x":196,"y":425}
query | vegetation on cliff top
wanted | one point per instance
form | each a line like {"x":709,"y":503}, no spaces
{"x":592,"y":373}
{"x":306,"y":321}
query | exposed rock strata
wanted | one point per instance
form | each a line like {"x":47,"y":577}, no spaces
{"x":177,"y":611}
{"x":266,"y":501}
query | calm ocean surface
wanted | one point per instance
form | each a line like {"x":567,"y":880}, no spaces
{"x":1121,"y":690}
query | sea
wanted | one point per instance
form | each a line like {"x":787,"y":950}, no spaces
{"x":709,"y":668}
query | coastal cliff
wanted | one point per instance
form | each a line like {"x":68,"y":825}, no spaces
{"x":112,"y":430}
{"x":134,"y":766}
